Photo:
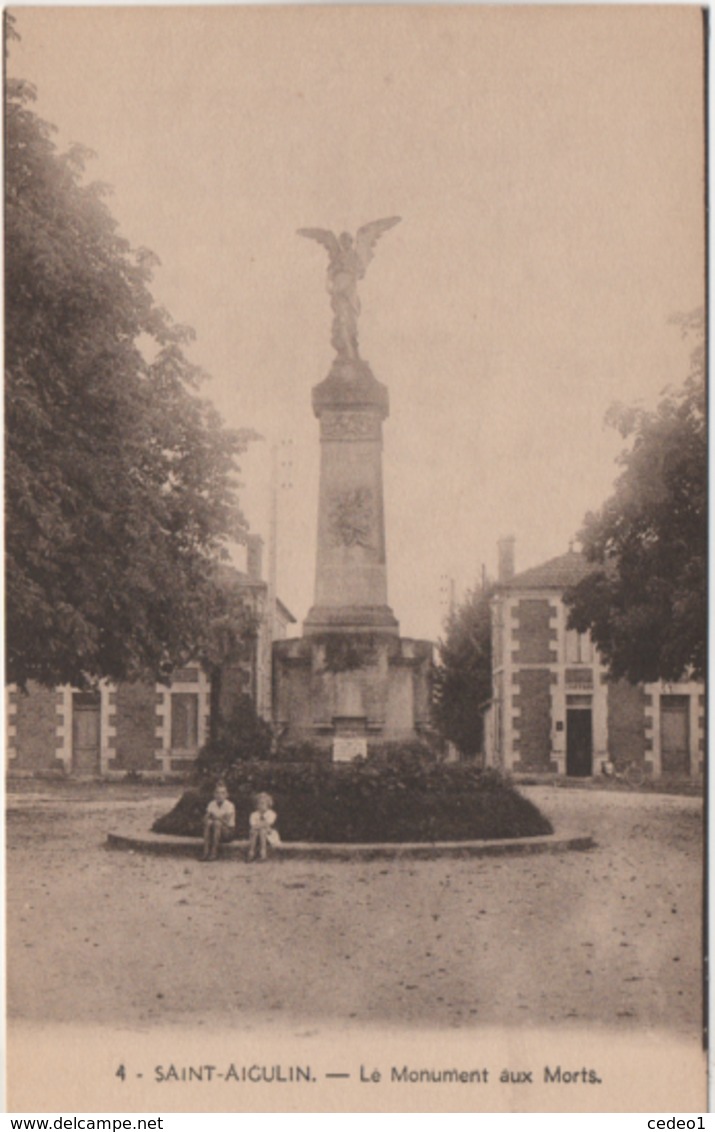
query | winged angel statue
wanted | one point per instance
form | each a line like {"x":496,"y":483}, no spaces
{"x":348,"y":263}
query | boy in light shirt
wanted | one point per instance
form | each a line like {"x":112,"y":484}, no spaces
{"x":219,"y":823}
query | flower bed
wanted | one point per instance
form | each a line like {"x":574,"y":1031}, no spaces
{"x":373,"y":801}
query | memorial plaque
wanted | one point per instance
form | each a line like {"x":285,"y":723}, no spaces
{"x":349,"y":747}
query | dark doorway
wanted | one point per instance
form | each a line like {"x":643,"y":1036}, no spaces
{"x":85,"y":732}
{"x":675,"y":735}
{"x":579,"y":742}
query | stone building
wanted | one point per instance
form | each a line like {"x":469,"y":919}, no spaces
{"x":152,"y":729}
{"x":553,"y":708}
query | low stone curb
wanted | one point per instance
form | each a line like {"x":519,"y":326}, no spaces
{"x":308,"y":851}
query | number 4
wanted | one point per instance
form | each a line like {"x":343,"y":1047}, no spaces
{"x":121,"y":1072}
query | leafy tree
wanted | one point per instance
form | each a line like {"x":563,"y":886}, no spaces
{"x":120,"y":479}
{"x":463,"y":678}
{"x":646,"y":601}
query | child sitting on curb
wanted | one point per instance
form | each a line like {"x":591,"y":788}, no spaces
{"x":219,"y":823}
{"x":262,"y":832}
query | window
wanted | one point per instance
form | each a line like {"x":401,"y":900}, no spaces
{"x":579,"y":649}
{"x":184,"y":720}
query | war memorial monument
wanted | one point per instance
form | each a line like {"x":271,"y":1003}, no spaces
{"x":350,"y":684}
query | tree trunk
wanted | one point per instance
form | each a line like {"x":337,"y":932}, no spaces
{"x":216,"y":678}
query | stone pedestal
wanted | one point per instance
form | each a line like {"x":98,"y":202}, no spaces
{"x":386,"y":699}
{"x":351,"y":567}
{"x":351,"y":681}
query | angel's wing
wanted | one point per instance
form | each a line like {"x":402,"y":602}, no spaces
{"x":368,"y":236}
{"x":323,"y":236}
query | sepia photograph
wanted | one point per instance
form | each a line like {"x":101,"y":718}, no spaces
{"x":356,"y":558}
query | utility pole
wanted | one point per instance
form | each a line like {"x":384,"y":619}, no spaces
{"x":447,"y":598}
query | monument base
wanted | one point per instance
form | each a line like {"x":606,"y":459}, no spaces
{"x":351,"y":619}
{"x":349,"y":693}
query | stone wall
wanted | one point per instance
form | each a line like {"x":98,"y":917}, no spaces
{"x":134,"y":709}
{"x":132,"y":731}
{"x":533,"y":635}
{"x":532,"y":724}
{"x":35,"y":716}
{"x":626,"y":721}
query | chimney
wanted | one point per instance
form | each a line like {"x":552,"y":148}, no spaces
{"x":254,"y":557}
{"x":505,"y":548}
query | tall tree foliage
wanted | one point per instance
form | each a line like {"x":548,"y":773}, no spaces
{"x":463,"y":678}
{"x":120,"y":479}
{"x":646,"y":602}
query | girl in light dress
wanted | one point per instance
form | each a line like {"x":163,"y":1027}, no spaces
{"x":262,"y":828}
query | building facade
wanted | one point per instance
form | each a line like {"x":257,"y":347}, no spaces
{"x":554,"y":710}
{"x":149,"y":729}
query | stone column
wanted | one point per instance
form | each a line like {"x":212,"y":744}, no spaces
{"x":351,"y":567}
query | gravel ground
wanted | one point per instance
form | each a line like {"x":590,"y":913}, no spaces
{"x":611,"y":937}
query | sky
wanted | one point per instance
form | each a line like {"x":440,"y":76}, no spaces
{"x":547,"y":164}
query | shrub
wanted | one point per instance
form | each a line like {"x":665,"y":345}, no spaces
{"x":405,"y":755}
{"x":407,"y":798}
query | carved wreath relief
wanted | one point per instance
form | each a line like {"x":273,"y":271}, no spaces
{"x":350,"y":517}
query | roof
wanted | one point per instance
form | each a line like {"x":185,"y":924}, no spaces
{"x":556,"y":574}
{"x":230,"y":575}
{"x":285,"y":611}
